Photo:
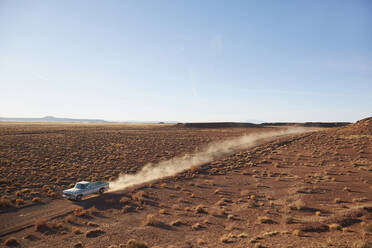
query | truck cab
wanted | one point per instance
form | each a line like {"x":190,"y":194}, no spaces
{"x":85,"y":188}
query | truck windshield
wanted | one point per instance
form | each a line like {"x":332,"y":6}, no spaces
{"x":80,"y":186}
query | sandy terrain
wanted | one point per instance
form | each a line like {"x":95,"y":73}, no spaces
{"x":305,"y":190}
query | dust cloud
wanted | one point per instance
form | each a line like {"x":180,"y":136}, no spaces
{"x":211,"y":152}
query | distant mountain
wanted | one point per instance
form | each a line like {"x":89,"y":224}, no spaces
{"x":52,"y":119}
{"x":254,"y":121}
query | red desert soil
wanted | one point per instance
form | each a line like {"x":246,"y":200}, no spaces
{"x":306,"y":190}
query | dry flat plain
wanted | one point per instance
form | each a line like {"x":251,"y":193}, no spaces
{"x":305,"y":190}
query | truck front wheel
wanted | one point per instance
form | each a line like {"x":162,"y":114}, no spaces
{"x":101,"y":191}
{"x":78,"y":198}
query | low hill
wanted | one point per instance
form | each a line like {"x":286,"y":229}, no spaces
{"x":52,"y":119}
{"x":266,"y":124}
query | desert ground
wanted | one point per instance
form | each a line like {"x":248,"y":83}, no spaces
{"x":311,"y":189}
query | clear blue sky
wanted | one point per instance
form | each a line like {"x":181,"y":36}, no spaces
{"x":187,"y":60}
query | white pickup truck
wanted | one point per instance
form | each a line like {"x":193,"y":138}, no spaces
{"x":85,"y":188}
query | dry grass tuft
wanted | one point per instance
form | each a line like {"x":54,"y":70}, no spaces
{"x":70,"y":219}
{"x":76,"y":230}
{"x":93,"y":224}
{"x":162,"y":211}
{"x":41,"y":225}
{"x":201,"y":209}
{"x":80,"y":212}
{"x":151,"y":220}
{"x":94,"y":233}
{"x":297,"y":232}
{"x":266,"y":220}
{"x":132,"y":243}
{"x":196,"y":227}
{"x":140,"y":196}
{"x":362,"y":244}
{"x":218,"y":212}
{"x":227,"y":238}
{"x":289,"y":220}
{"x":243,"y":235}
{"x":19,"y":202}
{"x":124,"y":200}
{"x":334,"y":227}
{"x":346,"y":189}
{"x":5,"y":202}
{"x":298,"y":205}
{"x":126,"y":209}
{"x":177,"y":222}
{"x":368,"y":227}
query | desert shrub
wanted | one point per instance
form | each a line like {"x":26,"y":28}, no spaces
{"x":124,"y":200}
{"x":80,"y":212}
{"x":201,"y":209}
{"x":361,"y":199}
{"x":218,"y":212}
{"x":196,"y":226}
{"x":36,"y":199}
{"x":368,"y":227}
{"x":70,"y":218}
{"x":40,"y":224}
{"x":270,"y":234}
{"x":289,"y":220}
{"x":362,"y":244}
{"x":93,"y":224}
{"x":11,"y":242}
{"x":140,"y":196}
{"x":19,"y":202}
{"x":200,"y":241}
{"x":78,"y":245}
{"x":46,"y":188}
{"x":177,"y":222}
{"x":126,"y":209}
{"x":94,"y":233}
{"x":56,"y":225}
{"x":265,"y":220}
{"x":151,"y":220}
{"x":76,"y":230}
{"x":25,"y":191}
{"x":346,"y":189}
{"x":296,"y":232}
{"x":334,"y":227}
{"x":92,"y":210}
{"x":5,"y":202}
{"x":298,"y":205}
{"x":231,"y":217}
{"x":162,"y":211}
{"x":223,"y":201}
{"x":243,"y":235}
{"x":132,"y":243}
{"x":227,"y":238}
{"x":42,"y":227}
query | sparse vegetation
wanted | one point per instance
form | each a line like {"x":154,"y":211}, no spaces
{"x":151,"y":220}
{"x":132,"y":243}
{"x":94,"y":233}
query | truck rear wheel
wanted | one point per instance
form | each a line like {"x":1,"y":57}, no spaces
{"x":101,"y":191}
